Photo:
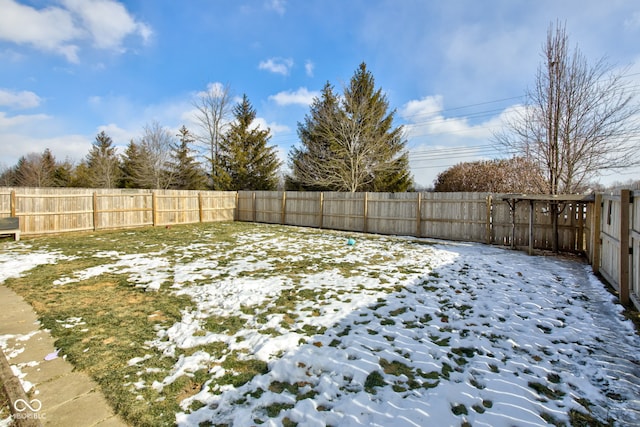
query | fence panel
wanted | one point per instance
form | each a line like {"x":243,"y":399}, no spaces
{"x":245,"y":210}
{"x":123,"y":208}
{"x":304,"y":208}
{"x":268,"y":207}
{"x":217,"y":206}
{"x":610,"y":236}
{"x":5,"y":202}
{"x":176,"y":207}
{"x":392,"y":213}
{"x":49,"y":210}
{"x":344,"y":211}
{"x":454,"y":216}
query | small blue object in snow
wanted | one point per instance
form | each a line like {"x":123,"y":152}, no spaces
{"x":351,"y":242}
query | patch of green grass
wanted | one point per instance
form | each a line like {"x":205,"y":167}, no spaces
{"x":228,"y":325}
{"x":479,"y":408}
{"x":446,"y":371}
{"x":274,"y":409}
{"x":581,"y":419}
{"x":545,"y":391}
{"x":442,"y":342}
{"x":398,"y":311}
{"x":240,"y":371}
{"x":374,"y":379}
{"x":396,"y":368}
{"x":459,"y":410}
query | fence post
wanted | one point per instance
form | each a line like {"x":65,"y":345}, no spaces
{"x":488,"y":238}
{"x":236,"y":213}
{"x":419,"y":216}
{"x":596,"y":241}
{"x":365,"y":213}
{"x":531,"y":219}
{"x":95,"y":211}
{"x":200,"y":207}
{"x":283,"y":215}
{"x":154,"y":207}
{"x":625,"y":203}
{"x":321,"y":209}
{"x":253,"y":205}
{"x":581,"y":208}
{"x":12,"y":202}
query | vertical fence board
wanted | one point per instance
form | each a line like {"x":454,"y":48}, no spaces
{"x":635,"y":246}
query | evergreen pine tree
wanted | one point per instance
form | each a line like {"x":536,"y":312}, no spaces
{"x":132,"y":162}
{"x":249,"y":162}
{"x":185,"y":171}
{"x":316,"y":149}
{"x":102,"y":163}
{"x":351,"y":145}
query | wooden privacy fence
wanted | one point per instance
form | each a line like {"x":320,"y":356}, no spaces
{"x":605,"y":228}
{"x":59,"y":210}
{"x":475,"y":217}
{"x":615,"y":253}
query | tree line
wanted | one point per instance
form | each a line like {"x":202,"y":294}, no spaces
{"x":348,"y":143}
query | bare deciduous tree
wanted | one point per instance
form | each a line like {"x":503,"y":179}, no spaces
{"x":213,"y":115}
{"x":35,"y":170}
{"x":156,"y":145}
{"x":579,"y":121}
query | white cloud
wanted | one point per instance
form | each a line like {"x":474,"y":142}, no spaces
{"x":107,"y":22}
{"x":215,"y":89}
{"x":302,"y":96}
{"x":425,"y":118}
{"x":8,"y":122}
{"x":274,"y":128}
{"x":277,"y":5}
{"x":309,"y":67}
{"x":60,"y":30}
{"x":20,"y":100}
{"x":437,"y":142}
{"x":277,"y":65}
{"x":118,"y":135}
{"x":51,"y":29}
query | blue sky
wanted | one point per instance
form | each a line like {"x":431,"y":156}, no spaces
{"x":451,"y":69}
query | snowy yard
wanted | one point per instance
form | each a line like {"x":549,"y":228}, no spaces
{"x":386,"y":331}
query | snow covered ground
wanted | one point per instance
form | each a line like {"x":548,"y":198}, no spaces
{"x":406,"y":332}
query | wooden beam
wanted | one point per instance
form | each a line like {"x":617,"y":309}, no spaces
{"x":531,"y":216}
{"x":13,"y":202}
{"x":154,"y":207}
{"x":596,"y":240}
{"x":488,"y":236}
{"x":419,"y":216}
{"x":283,"y":215}
{"x":625,"y":203}
{"x":95,"y":211}
{"x":321,"y":210}
{"x":365,"y":213}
